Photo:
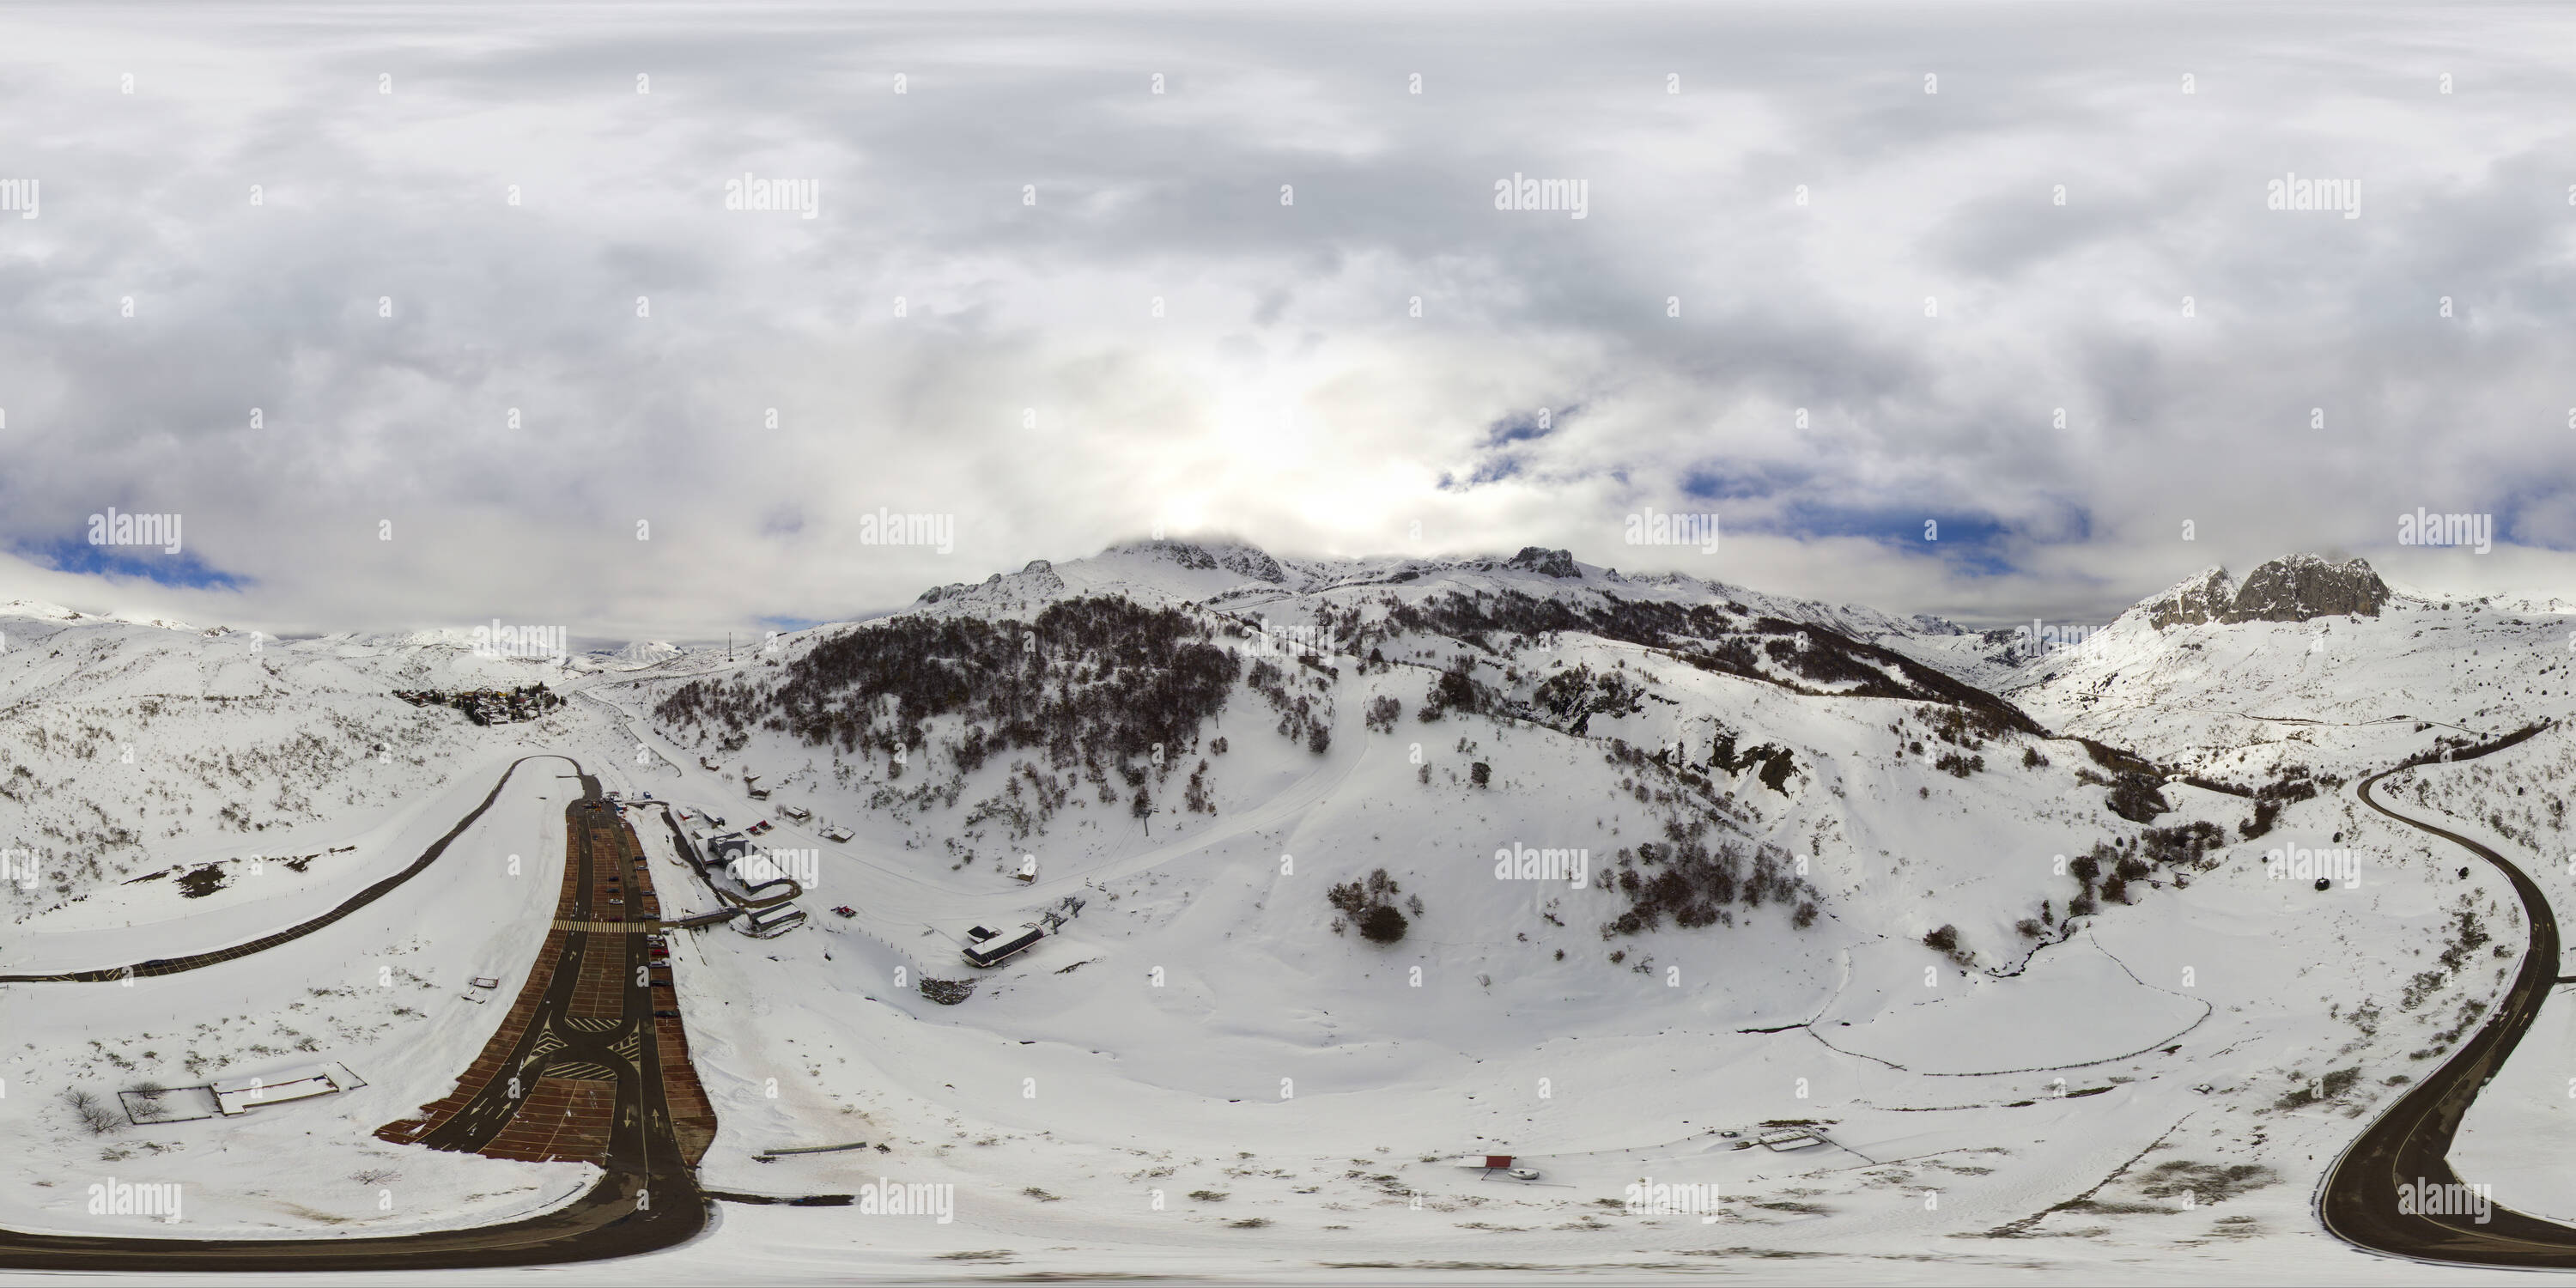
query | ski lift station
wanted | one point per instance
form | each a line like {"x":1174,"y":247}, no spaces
{"x":988,"y":947}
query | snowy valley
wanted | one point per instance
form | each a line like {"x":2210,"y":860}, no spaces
{"x":1757,"y":931}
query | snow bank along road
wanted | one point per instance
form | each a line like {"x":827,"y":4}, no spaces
{"x":648,"y":1200}
{"x":2411,"y":1143}
{"x":174,"y":965}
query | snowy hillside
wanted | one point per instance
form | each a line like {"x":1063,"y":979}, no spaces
{"x":1382,"y":863}
{"x":133,"y":750}
{"x":2342,"y":690}
{"x":1242,"y":580}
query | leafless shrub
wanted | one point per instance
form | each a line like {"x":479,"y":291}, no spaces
{"x":100,"y":1119}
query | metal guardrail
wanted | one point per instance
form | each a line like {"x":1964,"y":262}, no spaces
{"x":785,"y":1150}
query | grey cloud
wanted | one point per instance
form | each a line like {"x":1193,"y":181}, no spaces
{"x":1275,"y":315}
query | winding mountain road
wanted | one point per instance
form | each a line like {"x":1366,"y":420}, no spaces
{"x":2411,"y":1142}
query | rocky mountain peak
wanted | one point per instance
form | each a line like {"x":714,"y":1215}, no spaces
{"x":1552,"y":563}
{"x":2205,"y":598}
{"x":2299,"y":587}
{"x":2294,"y":588}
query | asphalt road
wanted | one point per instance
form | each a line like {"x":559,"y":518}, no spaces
{"x":648,"y":1200}
{"x":2411,"y":1142}
{"x":193,"y":961}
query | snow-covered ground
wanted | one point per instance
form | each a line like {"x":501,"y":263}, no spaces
{"x":1202,"y":1077}
{"x":383,"y":991}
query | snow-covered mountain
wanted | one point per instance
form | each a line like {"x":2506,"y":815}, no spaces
{"x":1389,"y":860}
{"x":1230,"y":576}
{"x":2306,"y":661}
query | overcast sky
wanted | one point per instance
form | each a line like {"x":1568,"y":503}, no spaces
{"x":1286,"y":197}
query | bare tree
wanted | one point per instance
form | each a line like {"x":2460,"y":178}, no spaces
{"x":100,"y":1119}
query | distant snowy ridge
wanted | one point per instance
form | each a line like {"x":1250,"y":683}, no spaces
{"x":1238,"y":578}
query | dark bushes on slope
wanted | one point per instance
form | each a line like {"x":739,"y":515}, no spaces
{"x":1697,"y":885}
{"x":1369,"y":903}
{"x":2136,"y":798}
{"x":1088,"y":677}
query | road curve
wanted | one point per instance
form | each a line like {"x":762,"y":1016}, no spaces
{"x":193,"y":961}
{"x":2411,"y":1142}
{"x":647,"y":1199}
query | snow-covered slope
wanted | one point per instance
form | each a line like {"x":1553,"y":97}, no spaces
{"x":1236,"y":578}
{"x":1631,"y":737}
{"x":2340,"y":690}
{"x":132,"y":747}
{"x":1672,"y":859}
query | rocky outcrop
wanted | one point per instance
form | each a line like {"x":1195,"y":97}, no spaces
{"x":2304,"y":586}
{"x":2205,"y":598}
{"x":1233,"y":556}
{"x":1037,"y":581}
{"x":1253,"y":563}
{"x":2292,"y":589}
{"x":1552,"y":563}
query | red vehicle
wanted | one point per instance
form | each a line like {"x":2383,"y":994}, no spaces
{"x":847,"y":911}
